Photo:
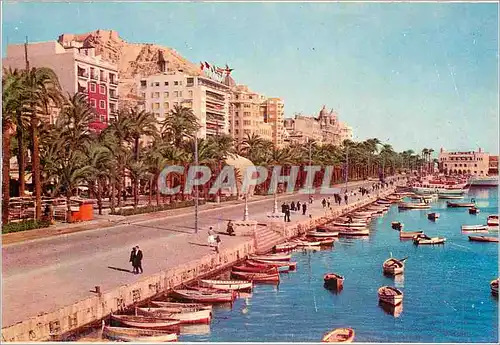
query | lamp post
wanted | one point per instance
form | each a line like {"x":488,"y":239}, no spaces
{"x":245,"y":214}
{"x":196,"y":194}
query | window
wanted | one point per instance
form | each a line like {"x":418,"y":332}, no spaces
{"x":143,"y":95}
{"x":176,"y":93}
{"x":236,"y":131}
{"x":143,"y":83}
{"x":190,"y":94}
{"x":166,"y":105}
{"x":103,"y":118}
{"x":176,"y":83}
{"x":166,"y":83}
{"x":155,"y":106}
{"x":92,"y":87}
{"x":155,"y":94}
{"x":102,"y":89}
{"x":237,"y":113}
{"x":246,"y":131}
{"x":190,"y":81}
{"x":165,"y":94}
{"x":157,"y":83}
{"x":180,"y":93}
{"x":246,"y":113}
{"x":236,"y":123}
{"x":102,"y":104}
{"x":475,"y":165}
{"x":247,"y":123}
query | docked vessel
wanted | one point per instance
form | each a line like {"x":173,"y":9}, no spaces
{"x":409,"y":234}
{"x":494,"y":286}
{"x":433,"y":216}
{"x":390,"y":295}
{"x":203,"y":297}
{"x":393,"y":266}
{"x":227,"y":285}
{"x":484,"y":181}
{"x":184,"y":317}
{"x":483,"y":238}
{"x":137,"y":335}
{"x":333,"y":281}
{"x":339,"y":335}
{"x":492,"y":220}
{"x":139,"y":321}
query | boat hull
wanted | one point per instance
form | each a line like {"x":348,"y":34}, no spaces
{"x":146,"y":322}
{"x":201,"y":297}
{"x":339,"y":335}
{"x":333,"y":281}
{"x":191,"y":317}
{"x":483,"y":239}
{"x":137,"y":335}
{"x":393,"y":299}
{"x":226,"y":285}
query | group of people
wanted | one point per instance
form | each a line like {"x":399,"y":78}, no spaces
{"x":136,"y":260}
{"x":287,"y":208}
{"x":213,"y":240}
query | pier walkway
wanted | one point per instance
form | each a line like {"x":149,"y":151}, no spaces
{"x":44,"y":275}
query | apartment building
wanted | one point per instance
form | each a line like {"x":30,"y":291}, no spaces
{"x":273,"y":113}
{"x":209,"y":99}
{"x":247,"y":115}
{"x":464,"y":162}
{"x":78,"y":68}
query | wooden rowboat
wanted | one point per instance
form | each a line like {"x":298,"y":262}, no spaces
{"x":474,"y":228}
{"x":390,"y":295}
{"x":272,"y":257}
{"x":413,"y":206}
{"x":492,"y":220}
{"x":291,"y":265}
{"x":333,"y":281}
{"x":304,"y":243}
{"x":180,"y":306}
{"x":137,"y":335}
{"x":322,"y":234}
{"x":450,"y":196}
{"x":460,"y":204}
{"x":434,"y":240}
{"x":350,"y":225}
{"x":339,"y":335}
{"x":494,"y":286}
{"x":393,"y":266}
{"x":284,"y":247}
{"x":138,"y":321}
{"x":188,"y":317}
{"x":397,"y":225}
{"x":328,"y":241}
{"x":354,"y":232}
{"x":226,"y":285}
{"x":483,"y":239}
{"x":203,"y":297}
{"x":473,"y":210}
{"x":409,"y":234}
{"x":255,"y":269}
{"x":257,"y":277}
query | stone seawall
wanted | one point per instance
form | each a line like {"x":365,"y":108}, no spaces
{"x":54,"y":325}
{"x":87,"y":312}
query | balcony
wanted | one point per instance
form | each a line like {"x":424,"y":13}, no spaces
{"x":113,"y":95}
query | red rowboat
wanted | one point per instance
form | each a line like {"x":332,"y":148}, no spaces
{"x":483,"y":239}
{"x":333,"y":281}
{"x":260,"y":263}
{"x":284,"y":247}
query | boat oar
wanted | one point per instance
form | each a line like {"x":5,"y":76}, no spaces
{"x":404,"y":259}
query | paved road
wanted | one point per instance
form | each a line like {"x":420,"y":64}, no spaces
{"x":46,"y":274}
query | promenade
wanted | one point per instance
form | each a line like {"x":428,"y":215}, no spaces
{"x":45,"y":274}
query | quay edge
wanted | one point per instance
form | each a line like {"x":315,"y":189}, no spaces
{"x":59,"y":324}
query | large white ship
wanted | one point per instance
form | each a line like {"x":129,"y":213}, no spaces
{"x":483,"y":181}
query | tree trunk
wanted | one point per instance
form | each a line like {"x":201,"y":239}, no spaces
{"x":20,"y":155}
{"x":112,"y":198}
{"x":136,"y":201}
{"x":69,"y":218}
{"x":5,"y":173}
{"x":36,"y":167}
{"x":136,"y":151}
{"x":99,"y":195}
{"x":157,"y":189}
{"x":150,"y":197}
{"x":119,"y":183}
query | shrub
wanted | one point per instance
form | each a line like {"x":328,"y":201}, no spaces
{"x":24,"y":226}
{"x":154,"y":208}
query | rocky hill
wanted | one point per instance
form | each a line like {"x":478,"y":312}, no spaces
{"x":133,"y":59}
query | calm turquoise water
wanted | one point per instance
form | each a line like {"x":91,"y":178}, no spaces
{"x":447,"y":293}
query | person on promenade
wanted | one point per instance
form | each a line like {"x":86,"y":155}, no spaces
{"x":217,"y":242}
{"x":230,"y":229}
{"x":287,"y":213}
{"x":323,"y":202}
{"x":328,"y":202}
{"x":310,"y":199}
{"x":298,"y":206}
{"x":283,"y":207}
{"x":138,"y":259}
{"x":133,"y":256}
{"x":345,"y":198}
{"x":292,"y":206}
{"x":304,"y":209}
{"x":211,"y":237}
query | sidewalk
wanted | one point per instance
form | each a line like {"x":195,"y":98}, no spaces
{"x":106,"y":221}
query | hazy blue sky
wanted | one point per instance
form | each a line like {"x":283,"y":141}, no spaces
{"x":414,"y":75}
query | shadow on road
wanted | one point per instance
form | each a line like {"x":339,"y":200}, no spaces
{"x":199,"y":244}
{"x":120,"y":269}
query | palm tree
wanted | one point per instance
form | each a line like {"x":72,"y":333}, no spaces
{"x":179,"y":124}
{"x":141,"y":123}
{"x":101,"y":162}
{"x":43,"y":90}
{"x":137,"y":171}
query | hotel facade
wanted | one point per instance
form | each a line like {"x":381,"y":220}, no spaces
{"x":464,"y":162}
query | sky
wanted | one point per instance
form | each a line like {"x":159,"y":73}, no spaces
{"x":414,"y":75}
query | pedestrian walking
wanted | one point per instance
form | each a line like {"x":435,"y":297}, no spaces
{"x":230,"y":229}
{"x":292,"y":206}
{"x":345,"y":198}
{"x":283,"y":208}
{"x":217,"y":242}
{"x":328,"y":202}
{"x":304,"y":209}
{"x":298,"y":205}
{"x":310,"y":199}
{"x":132,"y":260}
{"x":323,"y":202}
{"x":138,"y":259}
{"x":211,"y":237}
{"x":287,"y":213}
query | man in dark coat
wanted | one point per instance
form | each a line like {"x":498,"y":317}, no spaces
{"x":133,"y":256}
{"x":292,"y":206}
{"x":287,"y":213}
{"x":138,"y":259}
{"x":283,"y":208}
{"x":304,"y":209}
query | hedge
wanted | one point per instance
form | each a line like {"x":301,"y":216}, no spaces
{"x":24,"y":226}
{"x":154,"y":208}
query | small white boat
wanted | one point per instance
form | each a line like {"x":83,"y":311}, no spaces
{"x":474,"y":228}
{"x":350,"y":225}
{"x":195,"y":316}
{"x":226,"y":285}
{"x":432,"y":240}
{"x":393,"y":266}
{"x":272,"y":257}
{"x":322,"y":234}
{"x":178,"y":307}
{"x":354,"y":232}
{"x":301,"y":243}
{"x":492,"y":220}
{"x":137,"y":335}
{"x":139,"y":321}
{"x":450,"y":196}
{"x":413,"y":206}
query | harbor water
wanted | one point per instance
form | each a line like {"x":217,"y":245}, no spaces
{"x":447,"y":296}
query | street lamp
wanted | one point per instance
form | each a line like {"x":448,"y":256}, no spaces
{"x":245,"y":214}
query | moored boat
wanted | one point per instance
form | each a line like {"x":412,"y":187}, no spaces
{"x":354,"y":232}
{"x":450,"y":196}
{"x":339,"y":335}
{"x":284,"y":247}
{"x":390,"y":295}
{"x":413,"y":206}
{"x":474,"y":228}
{"x":432,"y":240}
{"x":137,"y":334}
{"x":307,"y":243}
{"x":179,"y":306}
{"x":272,"y":257}
{"x":492,"y":220}
{"x":236,"y":285}
{"x":187,"y":317}
{"x":461,"y":204}
{"x":409,"y":234}
{"x":483,"y":238}
{"x":255,"y":269}
{"x":257,"y":277}
{"x":291,"y":265}
{"x":139,"y":321}
{"x":333,"y":281}
{"x":393,"y":266}
{"x":204,"y":297}
{"x":349,"y":225}
{"x":397,"y":225}
{"x":473,"y":210}
{"x":322,"y":234}
{"x":433,"y":216}
{"x":494,"y":286}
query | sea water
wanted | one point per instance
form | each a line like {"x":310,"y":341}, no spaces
{"x":447,"y":297}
